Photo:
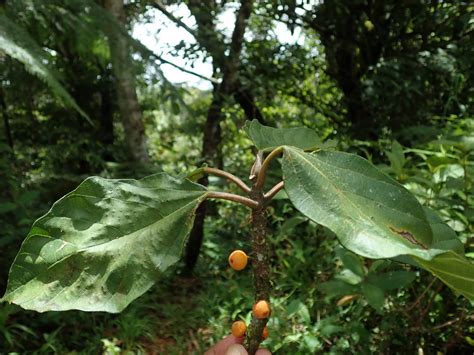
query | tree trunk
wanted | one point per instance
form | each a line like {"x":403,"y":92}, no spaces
{"x":229,"y":66}
{"x":247,"y":103}
{"x":106,"y":127}
{"x":122,"y":67}
{"x":210,"y":153}
{"x":6,"y":121}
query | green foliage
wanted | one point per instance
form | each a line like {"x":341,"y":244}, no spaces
{"x":325,"y":182}
{"x":395,"y":65}
{"x":360,"y":204}
{"x":104,"y":244}
{"x":454,"y":270}
{"x":373,"y":215}
{"x":372,"y":283}
{"x":268,"y":138}
{"x":17,"y":43}
{"x":87,"y":246}
{"x":391,"y":66}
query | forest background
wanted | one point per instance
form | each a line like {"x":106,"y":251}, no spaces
{"x":388,"y":80}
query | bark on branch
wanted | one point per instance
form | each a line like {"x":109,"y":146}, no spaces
{"x":273,"y":191}
{"x":184,"y":70}
{"x":218,"y":172}
{"x":260,"y":266}
{"x":232,"y":64}
{"x":232,"y":197}
{"x":266,"y":163}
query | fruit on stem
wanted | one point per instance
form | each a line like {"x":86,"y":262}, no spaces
{"x":260,"y":263}
{"x":238,"y":329}
{"x":238,"y":260}
{"x":265,"y":333}
{"x":261,"y":309}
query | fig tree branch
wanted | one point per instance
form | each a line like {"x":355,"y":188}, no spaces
{"x":232,"y":197}
{"x":228,"y":176}
{"x":260,"y":266}
{"x":266,"y":163}
{"x":231,"y":70}
{"x":273,"y":191}
{"x":162,"y":8}
{"x":158,"y":5}
{"x":164,"y":61}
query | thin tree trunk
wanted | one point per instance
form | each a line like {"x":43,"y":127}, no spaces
{"x":6,"y":121}
{"x":106,"y":91}
{"x":247,"y":103}
{"x":229,"y":65}
{"x":106,"y":127}
{"x":212,"y":137}
{"x":122,"y":67}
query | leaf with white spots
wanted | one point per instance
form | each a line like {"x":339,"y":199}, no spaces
{"x":104,"y":244}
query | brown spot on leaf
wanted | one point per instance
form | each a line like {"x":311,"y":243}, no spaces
{"x":408,"y":236}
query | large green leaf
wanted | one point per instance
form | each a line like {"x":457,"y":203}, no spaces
{"x":391,"y":280}
{"x":371,"y":213}
{"x":268,"y":138}
{"x":104,"y":244}
{"x":444,"y":238}
{"x":374,"y":295}
{"x":454,"y":270}
{"x":351,"y":262}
